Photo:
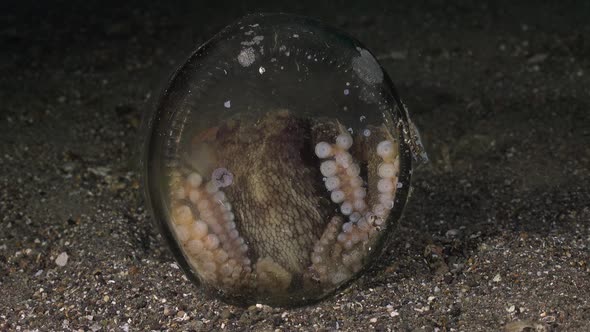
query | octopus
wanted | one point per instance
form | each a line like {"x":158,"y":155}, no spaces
{"x":283,"y":205}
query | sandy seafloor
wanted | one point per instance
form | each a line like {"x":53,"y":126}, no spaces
{"x":496,"y":234}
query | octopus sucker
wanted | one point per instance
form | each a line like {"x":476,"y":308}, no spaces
{"x":310,"y":216}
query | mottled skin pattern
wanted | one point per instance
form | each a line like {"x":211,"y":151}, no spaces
{"x":276,"y":195}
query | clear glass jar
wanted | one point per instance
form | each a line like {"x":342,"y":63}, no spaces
{"x":278,"y":161}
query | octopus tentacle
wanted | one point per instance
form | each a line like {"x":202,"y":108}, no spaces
{"x":340,"y":251}
{"x":388,"y":172}
{"x":342,"y":175}
{"x":324,"y":250}
{"x":204,"y":225}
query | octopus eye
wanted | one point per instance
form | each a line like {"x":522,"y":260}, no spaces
{"x":275,"y":159}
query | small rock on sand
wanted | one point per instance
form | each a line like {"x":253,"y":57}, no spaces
{"x":62,"y":259}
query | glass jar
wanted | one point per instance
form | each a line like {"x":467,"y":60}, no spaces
{"x":278,"y":161}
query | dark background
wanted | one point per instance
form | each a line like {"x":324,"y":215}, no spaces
{"x":496,"y":234}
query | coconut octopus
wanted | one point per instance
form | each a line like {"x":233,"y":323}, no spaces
{"x":282,"y":204}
